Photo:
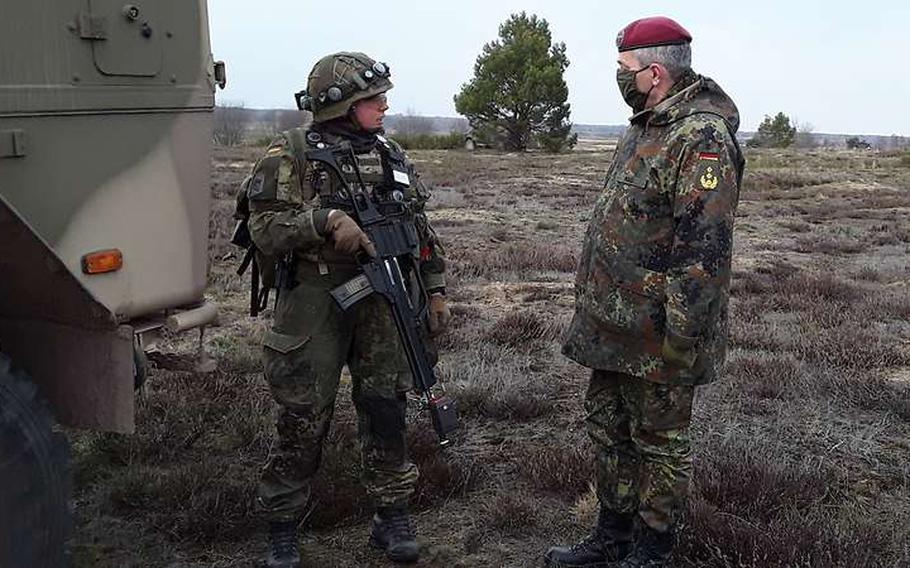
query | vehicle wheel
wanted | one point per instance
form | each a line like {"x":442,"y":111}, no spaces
{"x":35,"y":477}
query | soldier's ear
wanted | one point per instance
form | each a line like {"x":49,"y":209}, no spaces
{"x":658,"y":73}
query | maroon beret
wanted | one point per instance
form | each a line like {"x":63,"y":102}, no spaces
{"x":651,"y":32}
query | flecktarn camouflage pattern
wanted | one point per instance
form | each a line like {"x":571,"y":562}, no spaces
{"x":644,"y":457}
{"x":656,"y":258}
{"x":312,"y":339}
{"x":289,"y":208}
{"x":651,"y":295}
{"x":303,"y":357}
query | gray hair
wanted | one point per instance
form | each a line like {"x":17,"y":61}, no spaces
{"x":676,"y":58}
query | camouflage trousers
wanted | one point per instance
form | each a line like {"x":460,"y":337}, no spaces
{"x":304,"y":353}
{"x":643,"y":456}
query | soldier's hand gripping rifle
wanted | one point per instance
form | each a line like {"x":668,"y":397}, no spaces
{"x":387,"y":222}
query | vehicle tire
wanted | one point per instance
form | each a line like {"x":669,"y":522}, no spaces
{"x":35,"y":477}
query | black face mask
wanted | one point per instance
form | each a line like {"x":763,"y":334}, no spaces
{"x":625,"y":78}
{"x":347,"y":128}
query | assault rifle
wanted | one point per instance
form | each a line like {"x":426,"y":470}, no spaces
{"x":386,"y":220}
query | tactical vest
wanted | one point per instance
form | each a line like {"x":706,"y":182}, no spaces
{"x":383,"y":171}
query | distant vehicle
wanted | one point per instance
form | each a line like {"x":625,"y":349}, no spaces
{"x":105,"y":149}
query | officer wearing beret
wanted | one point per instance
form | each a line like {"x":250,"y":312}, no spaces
{"x":651,"y":293}
{"x":296,"y":214}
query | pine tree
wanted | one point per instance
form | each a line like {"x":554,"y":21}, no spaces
{"x":518,"y":89}
{"x":774,"y":133}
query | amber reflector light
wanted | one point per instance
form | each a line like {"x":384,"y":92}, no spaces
{"x":102,"y":261}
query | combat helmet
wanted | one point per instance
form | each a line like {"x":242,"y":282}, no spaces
{"x":339,"y":80}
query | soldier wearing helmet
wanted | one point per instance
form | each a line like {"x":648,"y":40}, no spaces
{"x":339,"y":81}
{"x":295,"y":214}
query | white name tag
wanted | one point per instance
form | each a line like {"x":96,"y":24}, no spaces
{"x":402,"y":178}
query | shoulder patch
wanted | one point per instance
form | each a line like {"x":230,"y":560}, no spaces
{"x":264,"y":183}
{"x":254,"y":190}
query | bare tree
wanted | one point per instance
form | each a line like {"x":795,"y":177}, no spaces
{"x":286,"y":119}
{"x":230,"y":124}
{"x":804,"y":135}
{"x":410,"y":124}
{"x":895,"y":142}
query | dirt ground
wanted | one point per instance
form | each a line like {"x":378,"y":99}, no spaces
{"x":802,"y":450}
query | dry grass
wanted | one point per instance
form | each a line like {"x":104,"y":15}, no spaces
{"x":801,"y":448}
{"x":516,"y":261}
{"x":496,"y":383}
{"x":521,"y":330}
{"x":810,"y":333}
{"x":512,"y":514}
{"x":565,"y":470}
{"x":752,"y":509}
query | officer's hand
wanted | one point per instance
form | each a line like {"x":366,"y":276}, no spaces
{"x":348,"y":236}
{"x":438,"y":315}
{"x":679,"y":351}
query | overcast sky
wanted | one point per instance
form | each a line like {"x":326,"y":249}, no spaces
{"x":839,"y":66}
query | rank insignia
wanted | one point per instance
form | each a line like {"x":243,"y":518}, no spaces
{"x":708,"y":179}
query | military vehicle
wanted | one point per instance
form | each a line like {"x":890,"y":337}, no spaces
{"x":105,"y":149}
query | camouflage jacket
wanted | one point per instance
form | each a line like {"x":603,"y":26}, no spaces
{"x":290,"y":200}
{"x":655,"y":266}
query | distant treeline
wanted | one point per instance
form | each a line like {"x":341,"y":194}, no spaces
{"x":235,"y":123}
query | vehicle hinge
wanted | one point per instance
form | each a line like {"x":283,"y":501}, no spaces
{"x":92,"y":27}
{"x":220,"y":74}
{"x":12,"y":143}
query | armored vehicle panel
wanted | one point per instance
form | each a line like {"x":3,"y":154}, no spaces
{"x":105,"y":149}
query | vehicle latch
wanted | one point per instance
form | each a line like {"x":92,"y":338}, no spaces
{"x":92,"y":27}
{"x":12,"y":143}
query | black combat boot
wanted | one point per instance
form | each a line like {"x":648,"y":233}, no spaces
{"x":283,"y":551}
{"x":652,"y":550}
{"x":611,"y":541}
{"x":391,"y":530}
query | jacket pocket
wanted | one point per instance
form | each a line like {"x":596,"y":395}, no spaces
{"x":637,"y":178}
{"x":283,"y":343}
{"x":629,"y":301}
{"x":640,"y":198}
